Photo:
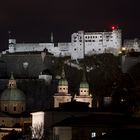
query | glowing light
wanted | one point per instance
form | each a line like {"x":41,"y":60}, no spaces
{"x":123,"y":49}
{"x":113,"y":27}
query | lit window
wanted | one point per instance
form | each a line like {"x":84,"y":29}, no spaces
{"x":93,"y":134}
{"x":103,"y":133}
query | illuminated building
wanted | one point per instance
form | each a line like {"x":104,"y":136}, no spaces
{"x":82,"y":43}
{"x":12,"y":109}
{"x":62,"y":96}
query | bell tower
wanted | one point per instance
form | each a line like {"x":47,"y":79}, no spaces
{"x":84,"y":95}
{"x":62,"y":96}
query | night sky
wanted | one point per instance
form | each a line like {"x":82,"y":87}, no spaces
{"x":34,"y":20}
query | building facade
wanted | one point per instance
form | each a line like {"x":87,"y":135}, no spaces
{"x":132,"y":45}
{"x":12,"y":109}
{"x":82,"y":43}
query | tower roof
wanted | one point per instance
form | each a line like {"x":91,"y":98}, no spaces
{"x":12,"y":93}
{"x":84,"y":83}
{"x":63,"y":81}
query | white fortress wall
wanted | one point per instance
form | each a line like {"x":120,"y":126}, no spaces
{"x":82,"y":43}
{"x":25,"y":47}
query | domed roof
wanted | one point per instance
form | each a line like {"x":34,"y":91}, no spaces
{"x":84,"y":84}
{"x":63,"y":82}
{"x":12,"y":95}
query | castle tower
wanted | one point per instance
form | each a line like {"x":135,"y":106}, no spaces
{"x":52,"y":40}
{"x":11,"y":43}
{"x":62,"y":96}
{"x":84,"y":95}
{"x":78,"y":45}
{"x":12,"y":99}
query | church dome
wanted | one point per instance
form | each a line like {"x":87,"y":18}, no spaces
{"x":12,"y":99}
{"x":12,"y":95}
{"x":84,"y":84}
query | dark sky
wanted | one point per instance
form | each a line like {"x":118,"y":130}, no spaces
{"x":34,"y":20}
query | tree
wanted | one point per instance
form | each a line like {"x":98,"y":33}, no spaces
{"x":39,"y":132}
{"x":13,"y":135}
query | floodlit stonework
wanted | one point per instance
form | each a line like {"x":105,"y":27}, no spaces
{"x":82,"y":43}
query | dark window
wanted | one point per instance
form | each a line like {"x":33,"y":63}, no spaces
{"x":5,"y":108}
{"x":14,"y":108}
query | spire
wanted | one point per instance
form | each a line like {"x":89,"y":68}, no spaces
{"x":12,"y":76}
{"x":84,"y":73}
{"x":9,"y":34}
{"x":12,"y":82}
{"x":63,"y":73}
{"x":52,"y":37}
{"x":84,"y":76}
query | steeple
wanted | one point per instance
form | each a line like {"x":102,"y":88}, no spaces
{"x":84,"y":76}
{"x":63,"y":81}
{"x":63,"y":73}
{"x":62,"y":96}
{"x":84,"y":95}
{"x":84,"y":83}
{"x":52,"y":37}
{"x":12,"y":82}
{"x":9,"y":34}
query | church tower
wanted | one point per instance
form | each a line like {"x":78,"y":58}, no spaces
{"x":62,"y":96}
{"x":84,"y":95}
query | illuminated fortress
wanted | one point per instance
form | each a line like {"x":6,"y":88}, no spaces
{"x":82,"y":43}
